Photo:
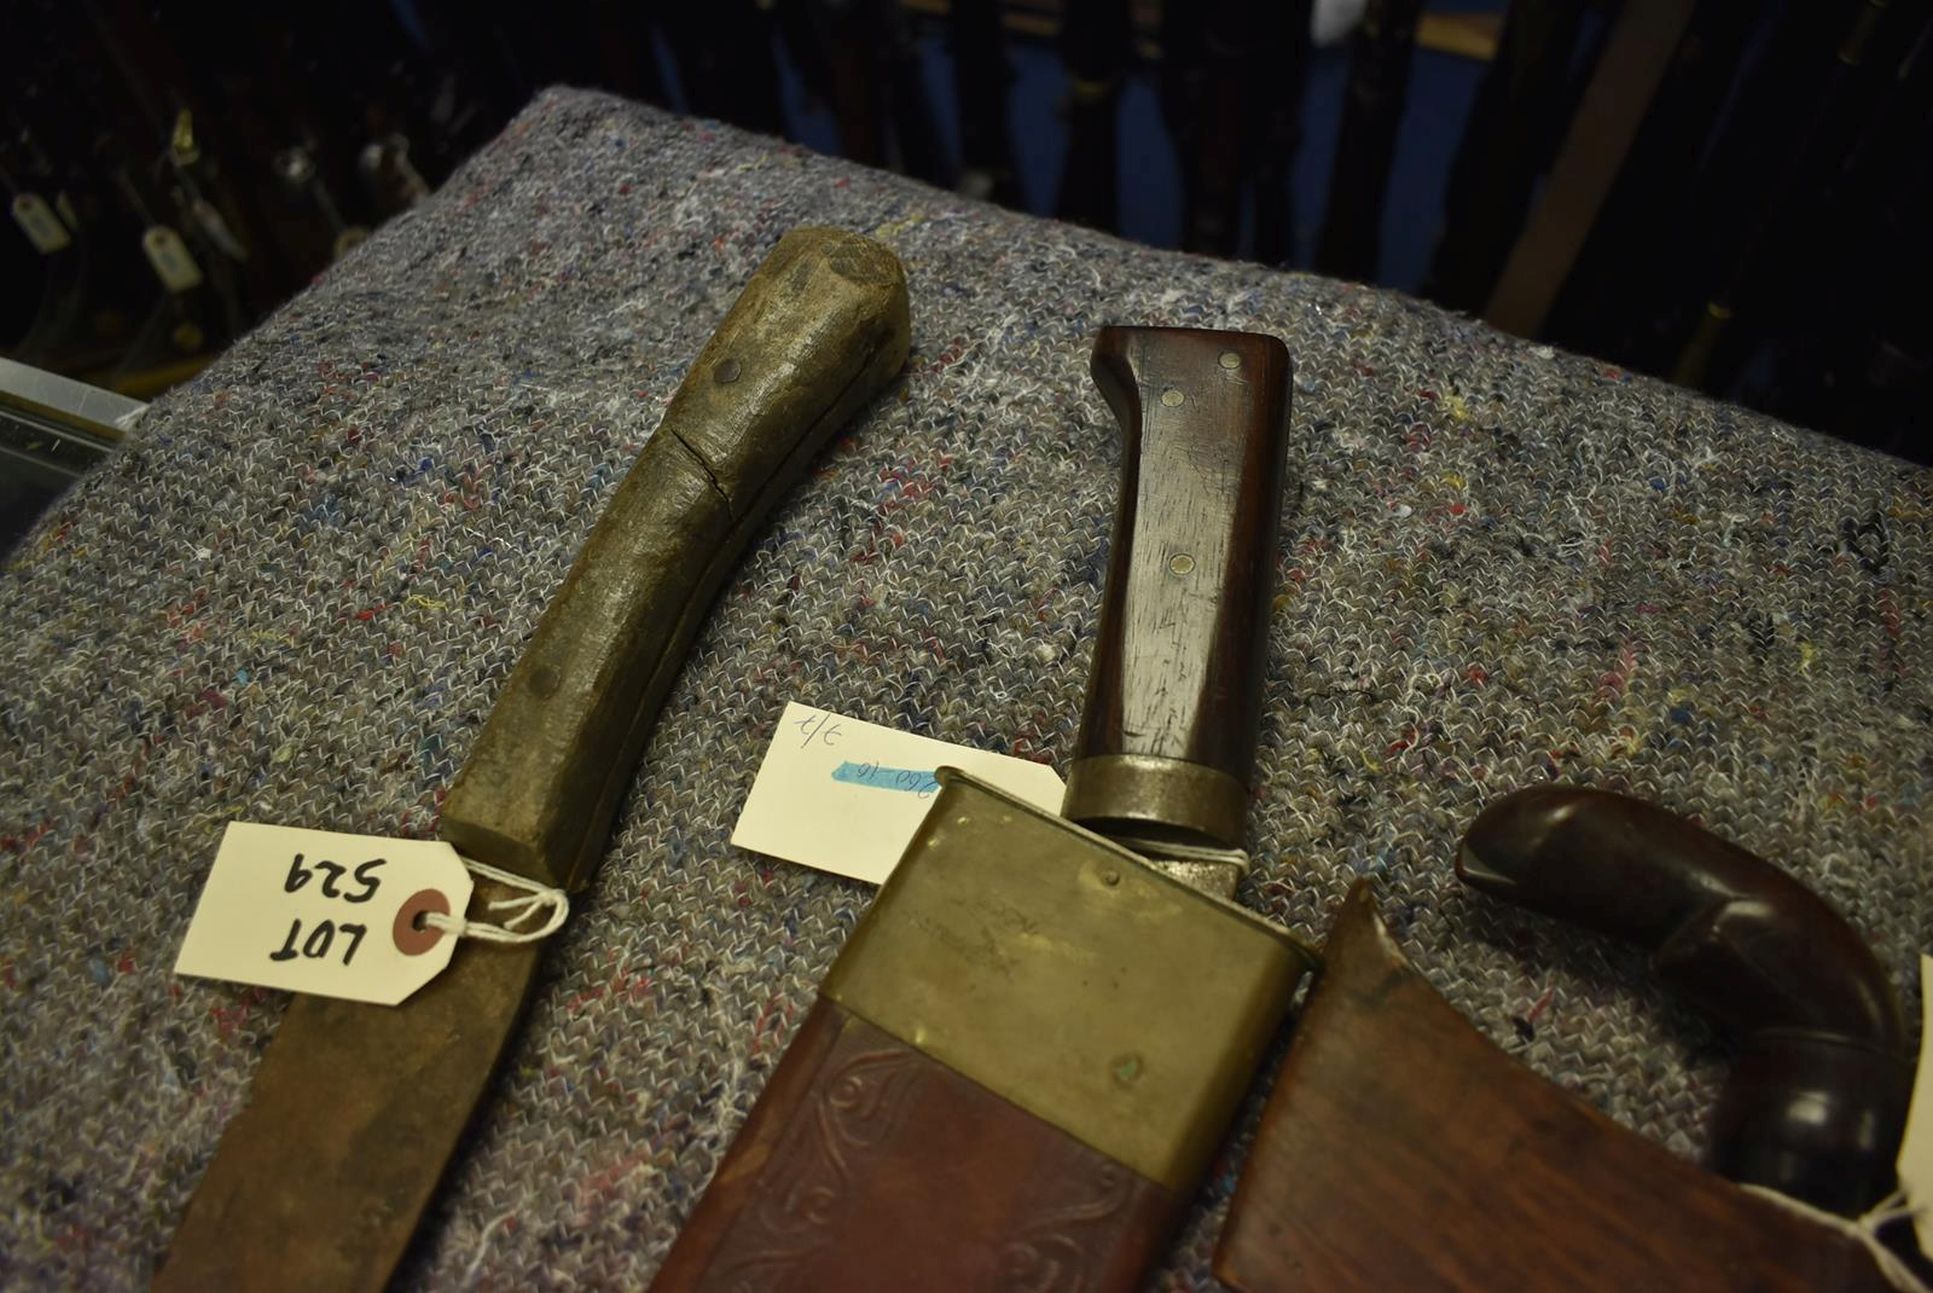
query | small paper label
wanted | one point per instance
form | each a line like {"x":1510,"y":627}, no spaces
{"x":845,"y":796}
{"x":325,"y":913}
{"x":1915,"y":1161}
{"x":38,"y":221}
{"x":169,"y":258}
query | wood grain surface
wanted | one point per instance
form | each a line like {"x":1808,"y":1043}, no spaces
{"x":1183,"y":634}
{"x":1400,"y":1149}
{"x":822,"y":1188}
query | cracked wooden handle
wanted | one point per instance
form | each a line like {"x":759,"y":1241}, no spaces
{"x":817,"y":332}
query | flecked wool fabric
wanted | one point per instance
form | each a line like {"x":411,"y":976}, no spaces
{"x":294,"y":598}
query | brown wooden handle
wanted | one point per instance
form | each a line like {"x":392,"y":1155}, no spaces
{"x":1816,"y":1103}
{"x":817,"y":332}
{"x":1167,"y":743}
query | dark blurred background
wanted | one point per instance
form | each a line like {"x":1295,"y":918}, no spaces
{"x":1734,"y":195}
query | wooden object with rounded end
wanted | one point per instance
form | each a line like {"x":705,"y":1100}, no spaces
{"x":1400,"y":1149}
{"x":817,"y":332}
{"x":1815,"y":1106}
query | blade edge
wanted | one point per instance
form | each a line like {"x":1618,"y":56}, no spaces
{"x":353,"y":1116}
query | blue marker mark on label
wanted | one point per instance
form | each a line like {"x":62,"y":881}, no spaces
{"x":917,"y":781}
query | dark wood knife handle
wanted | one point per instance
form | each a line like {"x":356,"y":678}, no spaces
{"x":1167,"y":743}
{"x":818,"y":330}
{"x":1816,"y":1103}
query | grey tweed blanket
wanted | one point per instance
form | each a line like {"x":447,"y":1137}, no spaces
{"x":295,"y":597}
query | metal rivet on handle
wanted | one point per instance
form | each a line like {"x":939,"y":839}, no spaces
{"x":1181,"y":563}
{"x":1171,"y":397}
{"x":726,"y":373}
{"x":1230,"y":360}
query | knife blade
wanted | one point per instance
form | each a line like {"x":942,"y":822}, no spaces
{"x":356,"y":1109}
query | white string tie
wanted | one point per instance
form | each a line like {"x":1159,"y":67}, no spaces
{"x":536,"y":898}
{"x":1864,"y":1230}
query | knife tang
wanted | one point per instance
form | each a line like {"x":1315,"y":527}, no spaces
{"x":1167,"y":742}
{"x":817,"y":331}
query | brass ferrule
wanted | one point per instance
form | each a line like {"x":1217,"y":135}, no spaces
{"x":1112,"y":792}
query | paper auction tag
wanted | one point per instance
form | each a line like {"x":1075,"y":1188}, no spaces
{"x":1915,"y":1161}
{"x":170,"y":259}
{"x":38,"y":221}
{"x":845,"y":796}
{"x":325,"y":913}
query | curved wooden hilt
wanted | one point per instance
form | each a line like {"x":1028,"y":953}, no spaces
{"x":821,"y":327}
{"x":1816,"y":1103}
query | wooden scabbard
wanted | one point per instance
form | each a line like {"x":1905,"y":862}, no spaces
{"x":1400,"y":1149}
{"x":1017,"y":1071}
